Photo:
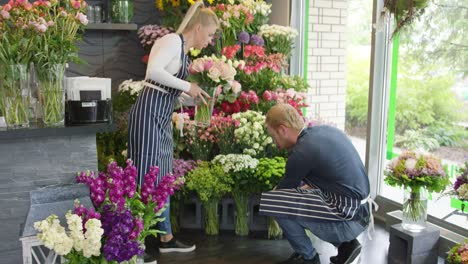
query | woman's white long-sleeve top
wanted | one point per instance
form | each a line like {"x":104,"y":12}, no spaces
{"x":165,"y":61}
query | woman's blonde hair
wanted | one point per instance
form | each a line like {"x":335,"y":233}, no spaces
{"x":198,"y":13}
{"x":286,"y":115}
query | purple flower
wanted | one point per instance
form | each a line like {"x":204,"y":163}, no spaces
{"x":243,"y":37}
{"x":257,"y":40}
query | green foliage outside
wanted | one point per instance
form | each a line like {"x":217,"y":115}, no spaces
{"x":430,"y":65}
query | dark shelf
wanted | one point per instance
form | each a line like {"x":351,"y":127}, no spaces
{"x":111,"y":26}
{"x":56,"y":131}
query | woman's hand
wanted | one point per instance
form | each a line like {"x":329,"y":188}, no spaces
{"x":197,"y":92}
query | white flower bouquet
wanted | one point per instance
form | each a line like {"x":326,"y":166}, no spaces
{"x":78,"y":245}
{"x":241,"y":169}
{"x":251,"y":134}
{"x":278,"y":39}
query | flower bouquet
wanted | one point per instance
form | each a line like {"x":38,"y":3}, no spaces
{"x":458,"y":254}
{"x":246,"y":101}
{"x":181,"y":169}
{"x":224,"y":130}
{"x":215,"y":76}
{"x":200,"y":141}
{"x":18,"y":41}
{"x":261,"y":71}
{"x":268,"y":174}
{"x":210,"y":183}
{"x":251,"y":134}
{"x":82,"y":243}
{"x":128,"y":212}
{"x":460,"y":187}
{"x":417,"y":173}
{"x":289,"y":96}
{"x":278,"y":39}
{"x":233,"y":19}
{"x":260,"y":10}
{"x":240,"y":168}
{"x":60,"y":24}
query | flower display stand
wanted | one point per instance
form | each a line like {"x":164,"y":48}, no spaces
{"x":191,"y":213}
{"x":257,"y":222}
{"x":227,"y":214}
{"x":413,"y":248}
{"x":44,"y":202}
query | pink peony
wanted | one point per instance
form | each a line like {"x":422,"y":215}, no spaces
{"x":5,"y":14}
{"x":82,"y":18}
{"x":208,"y":64}
{"x":227,"y":71}
{"x":214,"y":73}
{"x":267,"y":96}
{"x":7,"y":7}
{"x":41,"y":28}
{"x":236,"y":86}
{"x":197,"y":66}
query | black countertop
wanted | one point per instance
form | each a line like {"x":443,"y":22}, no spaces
{"x":56,"y":131}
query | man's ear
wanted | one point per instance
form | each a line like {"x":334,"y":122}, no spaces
{"x":282,"y":129}
{"x":198,"y":27}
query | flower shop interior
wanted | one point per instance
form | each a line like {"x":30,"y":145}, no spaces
{"x":390,"y":74}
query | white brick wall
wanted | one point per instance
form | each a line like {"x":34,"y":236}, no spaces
{"x":327,"y":60}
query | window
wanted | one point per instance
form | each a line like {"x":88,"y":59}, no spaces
{"x":428,"y":108}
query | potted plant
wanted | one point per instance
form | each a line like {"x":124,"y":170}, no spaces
{"x":417,"y":174}
{"x":458,"y":254}
{"x":460,"y":187}
{"x":404,"y":11}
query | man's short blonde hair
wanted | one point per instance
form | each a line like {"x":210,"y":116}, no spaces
{"x":286,"y":115}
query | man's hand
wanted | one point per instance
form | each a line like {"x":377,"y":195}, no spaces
{"x":306,"y":187}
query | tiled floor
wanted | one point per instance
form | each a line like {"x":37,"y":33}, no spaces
{"x":255,"y":249}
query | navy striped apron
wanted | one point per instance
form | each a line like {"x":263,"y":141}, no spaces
{"x":309,"y":204}
{"x":150,"y":141}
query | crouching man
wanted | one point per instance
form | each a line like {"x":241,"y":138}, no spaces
{"x":325,"y":188}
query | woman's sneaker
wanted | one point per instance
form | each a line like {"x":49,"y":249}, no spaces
{"x":175,"y":246}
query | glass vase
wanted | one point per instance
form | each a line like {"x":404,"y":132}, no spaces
{"x":122,"y":11}
{"x":52,"y":94}
{"x":274,"y":230}
{"x":15,"y":95}
{"x":414,"y":209}
{"x":203,"y":112}
{"x":211,"y":217}
{"x":241,"y":201}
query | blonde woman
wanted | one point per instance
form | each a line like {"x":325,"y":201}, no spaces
{"x":150,"y":140}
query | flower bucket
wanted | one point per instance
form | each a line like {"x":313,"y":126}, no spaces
{"x":52,"y":94}
{"x":241,"y":201}
{"x":203,"y":112}
{"x":211,"y":217}
{"x":15,"y":95}
{"x":414,"y":209}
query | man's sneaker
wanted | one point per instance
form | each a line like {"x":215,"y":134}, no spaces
{"x":348,"y":252}
{"x":297,"y":258}
{"x":175,"y":246}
